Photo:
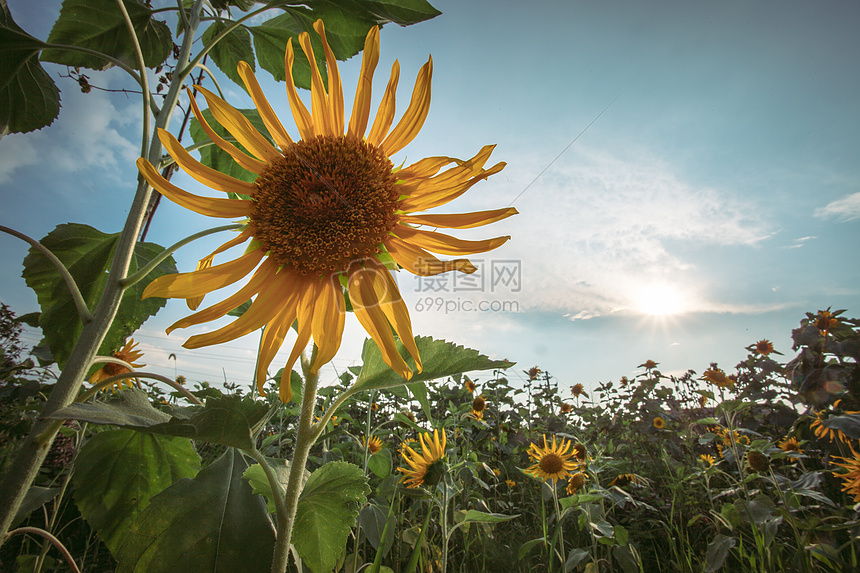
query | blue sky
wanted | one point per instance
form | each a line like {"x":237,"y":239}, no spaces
{"x":725,"y":176}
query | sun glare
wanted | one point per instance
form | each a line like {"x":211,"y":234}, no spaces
{"x":659,"y":300}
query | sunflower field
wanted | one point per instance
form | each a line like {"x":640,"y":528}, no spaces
{"x":425,"y":457}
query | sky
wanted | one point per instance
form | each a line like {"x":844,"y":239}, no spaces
{"x":686,"y":174}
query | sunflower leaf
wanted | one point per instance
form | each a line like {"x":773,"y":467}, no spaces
{"x":216,"y":158}
{"x":260,"y":484}
{"x":210,"y":523}
{"x":29,"y":98}
{"x":87,"y":253}
{"x":99,"y":25}
{"x":270,"y":44}
{"x":117,"y":471}
{"x":233,"y":48}
{"x":402,"y":12}
{"x":328,"y":506}
{"x":129,"y":407}
{"x":439,"y":358}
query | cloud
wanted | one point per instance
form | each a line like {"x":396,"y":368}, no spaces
{"x":85,"y":136}
{"x":845,"y":209}
{"x":592,"y":232}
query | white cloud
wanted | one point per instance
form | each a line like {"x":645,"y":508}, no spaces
{"x":845,"y":209}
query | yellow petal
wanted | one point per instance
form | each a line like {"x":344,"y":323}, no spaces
{"x":424,"y":168}
{"x":239,"y":127}
{"x":273,"y":338}
{"x":422,"y":201}
{"x":206,"y":175}
{"x":206,"y":262}
{"x":319,"y":99}
{"x":264,"y":273}
{"x":264,"y":308}
{"x":328,"y":321}
{"x":419,"y":262}
{"x":446,"y":244}
{"x":303,"y":119}
{"x":273,"y":124}
{"x":303,"y":316}
{"x":385,"y":113}
{"x":335,"y":89}
{"x":250,"y":163}
{"x":413,"y":120}
{"x":211,"y":207}
{"x":198,"y":283}
{"x":460,"y":220}
{"x":361,"y":105}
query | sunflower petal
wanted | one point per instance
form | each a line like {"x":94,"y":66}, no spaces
{"x":335,"y":89}
{"x":303,"y":119}
{"x":424,"y":168}
{"x":385,"y":113}
{"x":361,"y":104}
{"x":270,"y":119}
{"x":413,"y":119}
{"x":328,"y":321}
{"x":211,"y":207}
{"x":252,"y":164}
{"x":422,"y":201}
{"x":216,"y":311}
{"x":319,"y":98}
{"x":419,"y":262}
{"x":206,"y":175}
{"x":272,"y":339}
{"x":197,"y":283}
{"x":206,"y":262}
{"x":239,"y":127}
{"x":460,"y":220}
{"x":446,"y":244}
{"x":304,"y":313}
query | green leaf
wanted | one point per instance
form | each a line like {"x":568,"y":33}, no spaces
{"x":29,"y":98}
{"x":211,"y":523}
{"x":256,"y":476}
{"x":439,"y":358}
{"x":128,"y":407}
{"x":620,"y":534}
{"x":118,"y":471}
{"x":402,"y":12}
{"x":528,"y":546}
{"x":233,"y":48}
{"x":87,"y":253}
{"x":372,"y":519}
{"x":380,"y":463}
{"x":474,"y":515}
{"x":328,"y":506}
{"x":35,"y":498}
{"x":580,"y":499}
{"x":270,"y":45}
{"x":419,"y":392}
{"x":848,"y":424}
{"x":213,"y":156}
{"x":718,"y":550}
{"x":624,"y":556}
{"x":575,"y":558}
{"x":99,"y":25}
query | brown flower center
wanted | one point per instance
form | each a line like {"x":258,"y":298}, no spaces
{"x":478,"y":404}
{"x":551,"y":463}
{"x":113,"y":369}
{"x":327,"y":202}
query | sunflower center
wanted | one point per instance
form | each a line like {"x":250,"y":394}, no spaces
{"x":113,"y":369}
{"x":326,"y":202}
{"x":551,"y":463}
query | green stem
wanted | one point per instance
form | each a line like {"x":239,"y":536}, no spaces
{"x":304,"y":441}
{"x":212,"y":77}
{"x":83,"y":310}
{"x":444,"y":516}
{"x":141,"y":274}
{"x":108,"y":381}
{"x":52,"y":539}
{"x":274,"y":484}
{"x":416,"y":552}
{"x":144,"y":81}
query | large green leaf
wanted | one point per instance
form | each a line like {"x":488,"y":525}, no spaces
{"x":256,"y":476}
{"x":87,"y":253}
{"x":211,"y":523}
{"x":328,"y":506}
{"x":29,"y":98}
{"x":129,"y":407}
{"x":117,"y":471}
{"x":99,"y":25}
{"x":403,"y":12}
{"x":270,"y":45}
{"x":439,"y":358}
{"x":233,"y":48}
{"x":213,"y":156}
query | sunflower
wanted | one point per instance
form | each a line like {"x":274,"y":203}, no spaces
{"x":469,"y":386}
{"x":575,"y":483}
{"x":703,"y":401}
{"x":718,"y":378}
{"x":648,"y":365}
{"x":580,"y":452}
{"x":764,"y":347}
{"x":496,"y":472}
{"x":825,"y":322}
{"x":659,"y":423}
{"x":428,"y":466}
{"x":511,"y":483}
{"x":551,"y":461}
{"x":850,"y":480}
{"x":326,"y":212}
{"x":127,"y":354}
{"x":534,"y":372}
{"x":478,"y":404}
{"x":566,"y":408}
{"x":623,"y":479}
{"x":577,"y":390}
{"x":477,"y":414}
{"x":373,"y":445}
{"x":757,"y":461}
{"x":707,"y":459}
{"x":821,"y":431}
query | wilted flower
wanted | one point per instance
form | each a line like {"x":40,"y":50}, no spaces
{"x":127,"y":354}
{"x":757,"y":461}
{"x":648,"y":365}
{"x":580,"y":452}
{"x":703,"y":401}
{"x":575,"y":483}
{"x":533,"y":373}
{"x":478,"y":404}
{"x":623,"y":479}
{"x":825,"y":322}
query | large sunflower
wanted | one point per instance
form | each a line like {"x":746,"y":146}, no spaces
{"x":325,"y":212}
{"x":552,"y":462}
{"x":428,"y":466}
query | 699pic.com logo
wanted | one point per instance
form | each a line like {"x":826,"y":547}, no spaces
{"x":493,"y":276}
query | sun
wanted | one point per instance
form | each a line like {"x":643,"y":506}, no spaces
{"x":659,"y":299}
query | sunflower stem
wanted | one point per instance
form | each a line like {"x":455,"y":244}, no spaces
{"x":304,"y":440}
{"x":144,"y":82}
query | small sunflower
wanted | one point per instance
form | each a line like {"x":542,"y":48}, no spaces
{"x":850,"y":480}
{"x":707,"y":459}
{"x":534,"y":372}
{"x":648,"y":365}
{"x":324,"y":213}
{"x":428,"y":467}
{"x":469,"y":386}
{"x":757,"y":461}
{"x":551,"y":461}
{"x":703,"y":401}
{"x":791,"y":445}
{"x":373,"y":445}
{"x":718,"y":378}
{"x":477,"y":414}
{"x":659,"y":423}
{"x":622,"y":480}
{"x":821,"y":431}
{"x":764,"y":347}
{"x":374,"y":406}
{"x":566,"y":408}
{"x":580,"y":452}
{"x":825,"y":322}
{"x":479,"y":404}
{"x":575,"y":483}
{"x":624,"y":381}
{"x":496,"y":472}
{"x":127,"y":354}
{"x":511,"y":483}
{"x":578,"y":390}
